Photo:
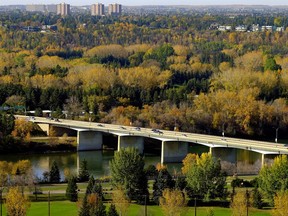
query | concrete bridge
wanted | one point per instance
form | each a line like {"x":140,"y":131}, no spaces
{"x":174,"y":145}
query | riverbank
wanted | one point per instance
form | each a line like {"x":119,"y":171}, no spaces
{"x":40,"y":145}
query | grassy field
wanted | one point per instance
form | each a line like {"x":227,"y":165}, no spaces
{"x":60,"y":206}
{"x":66,"y":208}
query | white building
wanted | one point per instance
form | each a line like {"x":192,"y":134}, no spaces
{"x":63,"y":9}
{"x":114,"y":9}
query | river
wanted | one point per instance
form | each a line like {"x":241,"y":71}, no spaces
{"x":233,"y":161}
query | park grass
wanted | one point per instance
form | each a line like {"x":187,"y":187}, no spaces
{"x":66,"y":208}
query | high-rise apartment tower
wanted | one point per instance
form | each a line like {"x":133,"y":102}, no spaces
{"x":63,"y":9}
{"x":97,"y":9}
{"x":114,"y":9}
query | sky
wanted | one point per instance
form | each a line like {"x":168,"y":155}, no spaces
{"x":148,"y":2}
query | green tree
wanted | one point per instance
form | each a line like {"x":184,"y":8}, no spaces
{"x":274,"y":178}
{"x":271,"y":64}
{"x":205,"y":178}
{"x":112,"y":211}
{"x":72,"y":189}
{"x":164,"y":180}
{"x":127,"y":169}
{"x":257,"y":199}
{"x":83,"y":171}
{"x":54,"y":174}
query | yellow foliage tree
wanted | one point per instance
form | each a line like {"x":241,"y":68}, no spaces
{"x":173,"y":202}
{"x":120,"y":200}
{"x":22,"y":128}
{"x":280,"y":204}
{"x":16,"y":203}
{"x":239,"y":204}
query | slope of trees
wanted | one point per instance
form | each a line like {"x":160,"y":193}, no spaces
{"x":169,"y":71}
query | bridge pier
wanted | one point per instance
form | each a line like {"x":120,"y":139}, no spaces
{"x":45,"y":128}
{"x":89,"y":140}
{"x":131,"y":141}
{"x":173,"y":151}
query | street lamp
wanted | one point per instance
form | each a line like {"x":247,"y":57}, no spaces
{"x":276,"y":138}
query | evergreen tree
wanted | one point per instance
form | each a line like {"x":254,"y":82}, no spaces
{"x":83,"y":171}
{"x":257,"y":199}
{"x":127,"y":169}
{"x":164,"y":180}
{"x":90,"y":185}
{"x":112,"y":211}
{"x":84,"y":209}
{"x":72,"y":190}
{"x":54,"y":174}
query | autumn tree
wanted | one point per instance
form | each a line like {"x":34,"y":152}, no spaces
{"x":173,"y":202}
{"x":120,"y":200}
{"x":16,"y":203}
{"x":240,"y":203}
{"x":280,"y":204}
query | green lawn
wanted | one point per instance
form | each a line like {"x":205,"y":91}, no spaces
{"x":66,"y":208}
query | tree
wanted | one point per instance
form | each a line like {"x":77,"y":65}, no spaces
{"x":120,"y":200}
{"x":173,"y":202}
{"x":257,"y":199}
{"x":274,"y":178}
{"x":205,"y":178}
{"x":112,"y":210}
{"x":95,"y":204}
{"x":280,"y":204}
{"x":240,"y":204}
{"x":72,"y":190}
{"x":16,"y":203}
{"x":164,"y":180}
{"x":54,"y":174}
{"x":127,"y":169}
{"x":83,"y":171}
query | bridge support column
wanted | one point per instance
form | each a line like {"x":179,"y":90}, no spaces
{"x":131,"y":141}
{"x":45,"y":128}
{"x":89,"y":140}
{"x":173,"y":151}
{"x":262,"y":160}
{"x":211,"y":151}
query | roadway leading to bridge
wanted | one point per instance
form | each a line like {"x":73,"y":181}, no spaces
{"x":164,"y":135}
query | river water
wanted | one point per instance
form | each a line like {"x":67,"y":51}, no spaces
{"x":232,"y":161}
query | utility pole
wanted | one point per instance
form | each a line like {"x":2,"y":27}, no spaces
{"x":48,"y":203}
{"x":195,"y":207}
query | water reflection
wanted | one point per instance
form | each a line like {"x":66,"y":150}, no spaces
{"x":232,"y":161}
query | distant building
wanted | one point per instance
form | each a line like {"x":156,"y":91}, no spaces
{"x":97,"y":9}
{"x":52,"y":8}
{"x":241,"y":28}
{"x":280,"y":29}
{"x":41,"y":8}
{"x":115,"y":9}
{"x":225,"y":28}
{"x":36,"y":7}
{"x":255,"y":27}
{"x":267,"y":28}
{"x":63,"y":9}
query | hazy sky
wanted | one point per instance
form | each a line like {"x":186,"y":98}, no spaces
{"x":148,"y":2}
